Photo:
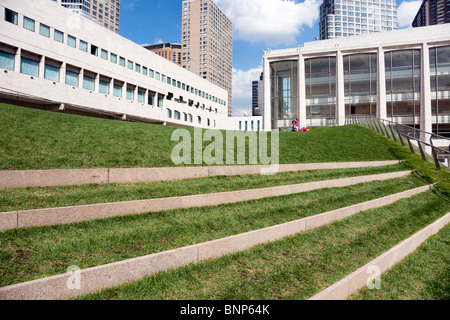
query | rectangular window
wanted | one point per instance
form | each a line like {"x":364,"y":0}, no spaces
{"x":59,"y":36}
{"x":88,"y":83}
{"x":117,"y":91}
{"x":144,"y":71}
{"x":104,"y":54}
{"x":11,"y":16}
{"x":94,"y":50}
{"x":130,"y":64}
{"x":28,"y":24}
{"x":138,"y":68}
{"x":44,"y":30}
{"x":113,"y":58}
{"x":169,"y":113}
{"x":71,"y":41}
{"x":140,"y":97}
{"x":130,"y":94}
{"x":6,"y":60}
{"x":103,"y":87}
{"x":122,"y":61}
{"x":83,"y":46}
{"x":30,"y":67}
{"x":71,"y":78}
{"x":176,"y":115}
{"x":151,"y":73}
{"x":51,"y":73}
{"x":158,"y":76}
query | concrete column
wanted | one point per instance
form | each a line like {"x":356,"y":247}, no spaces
{"x":340,"y":89}
{"x":425,"y":94}
{"x":301,"y":91}
{"x":17,"y":60}
{"x":41,"y":67}
{"x":381,"y":85}
{"x":267,"y":119}
{"x":97,"y":83}
{"x":81,"y":78}
{"x":62,"y":73}
{"x":145,"y":97}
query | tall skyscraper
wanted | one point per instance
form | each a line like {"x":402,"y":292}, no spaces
{"x":432,"y":12}
{"x":343,"y":18}
{"x":104,"y":12}
{"x":207,"y":40}
{"x":167,"y":50}
{"x":258,"y":96}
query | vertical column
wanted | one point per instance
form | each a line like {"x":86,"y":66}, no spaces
{"x":381,"y":85}
{"x":41,"y":67}
{"x":145,"y":96}
{"x":425,"y":94}
{"x":267,"y":112}
{"x":17,"y":60}
{"x":301,"y":91}
{"x":340,"y":89}
{"x":62,"y":73}
{"x":97,"y":83}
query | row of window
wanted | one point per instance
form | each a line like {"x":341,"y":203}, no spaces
{"x":187,"y":117}
{"x":44,"y":30}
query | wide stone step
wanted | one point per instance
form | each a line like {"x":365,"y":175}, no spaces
{"x":71,"y":214}
{"x":45,"y":178}
{"x":118,"y":273}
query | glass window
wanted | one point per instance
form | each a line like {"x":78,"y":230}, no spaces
{"x":113,"y":58}
{"x":28,"y":23}
{"x":177,"y":115}
{"x":88,"y":83}
{"x":94,"y":50}
{"x":138,"y":68}
{"x":140,"y":97}
{"x":59,"y":36}
{"x":51,"y":73}
{"x":169,"y":113}
{"x":144,"y":71}
{"x":103,"y":87}
{"x":11,"y":16}
{"x":104,"y":54}
{"x":83,"y":46}
{"x":151,"y":73}
{"x":117,"y":91}
{"x":72,"y":41}
{"x":71,"y":78}
{"x":6,"y":60}
{"x":44,"y":30}
{"x":130,"y":94}
{"x":30,"y":67}
{"x":130,"y":64}
{"x":122,"y":61}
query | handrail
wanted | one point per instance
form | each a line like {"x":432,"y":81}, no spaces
{"x":378,"y":125}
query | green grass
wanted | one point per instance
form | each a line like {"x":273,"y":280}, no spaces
{"x":31,"y":253}
{"x":36,"y":139}
{"x":294,"y":268}
{"x":48,"y":197}
{"x":423,"y":275}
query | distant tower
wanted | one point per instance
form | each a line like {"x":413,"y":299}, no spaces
{"x":432,"y":12}
{"x":207,"y":40}
{"x":105,"y":13}
{"x":344,"y":18}
{"x":258,"y":96}
{"x":170,"y":51}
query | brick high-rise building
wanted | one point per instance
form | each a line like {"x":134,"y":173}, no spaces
{"x":167,"y":50}
{"x":104,"y":12}
{"x":432,"y":12}
{"x":207,"y":43}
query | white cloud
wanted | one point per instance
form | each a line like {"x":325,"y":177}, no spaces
{"x":242,"y":90}
{"x":406,"y":12}
{"x":275,"y":22}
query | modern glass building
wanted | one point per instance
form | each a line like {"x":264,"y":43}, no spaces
{"x":343,"y":18}
{"x":403,"y":76}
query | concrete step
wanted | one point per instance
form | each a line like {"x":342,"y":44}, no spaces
{"x":65,"y":215}
{"x":44,"y":178}
{"x":118,"y":273}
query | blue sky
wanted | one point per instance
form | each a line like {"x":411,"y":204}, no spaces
{"x":257,"y":25}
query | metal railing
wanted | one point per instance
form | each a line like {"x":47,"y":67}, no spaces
{"x":400,"y":132}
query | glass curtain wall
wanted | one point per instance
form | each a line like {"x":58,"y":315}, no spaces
{"x":320,"y":90}
{"x":403,"y":86}
{"x":360,"y":76}
{"x":284,"y":88}
{"x":440,"y":89}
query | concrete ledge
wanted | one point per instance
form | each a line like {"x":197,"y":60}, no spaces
{"x":72,"y":214}
{"x":42,"y":178}
{"x":358,"y":279}
{"x":118,"y":273}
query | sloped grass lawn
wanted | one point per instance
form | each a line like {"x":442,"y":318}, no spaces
{"x":48,"y":197}
{"x":296,"y":267}
{"x":37,"y":139}
{"x":30,"y":253}
{"x":423,"y":275}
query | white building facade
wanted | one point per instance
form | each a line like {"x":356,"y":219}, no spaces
{"x":402,"y":76}
{"x":52,"y":57}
